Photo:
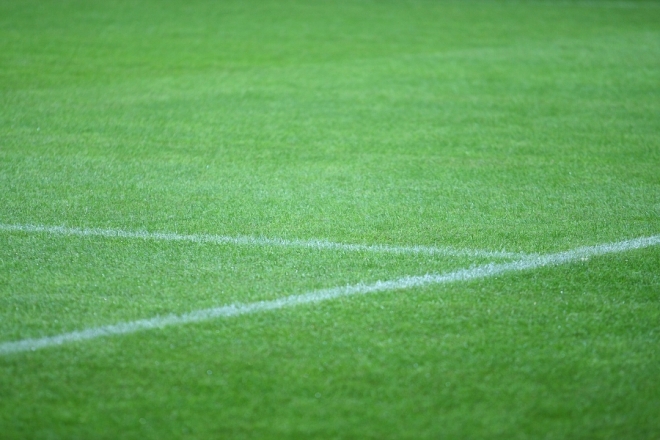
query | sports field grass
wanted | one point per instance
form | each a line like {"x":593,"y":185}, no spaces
{"x":349,"y":219}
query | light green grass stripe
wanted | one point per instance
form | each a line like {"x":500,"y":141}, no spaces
{"x":484,"y":271}
{"x":259,"y":241}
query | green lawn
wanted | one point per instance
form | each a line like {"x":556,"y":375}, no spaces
{"x":529,"y":127}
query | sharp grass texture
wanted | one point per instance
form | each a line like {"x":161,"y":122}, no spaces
{"x":303,"y":145}
{"x":259,"y":241}
{"x":409,"y":282}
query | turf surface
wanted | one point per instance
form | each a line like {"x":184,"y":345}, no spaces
{"x":525,"y":126}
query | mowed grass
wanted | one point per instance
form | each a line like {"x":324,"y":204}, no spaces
{"x":525,"y":126}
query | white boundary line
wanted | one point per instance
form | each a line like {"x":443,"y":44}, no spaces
{"x":258,"y":241}
{"x":484,"y":271}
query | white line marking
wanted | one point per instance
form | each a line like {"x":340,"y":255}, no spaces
{"x":484,"y":271}
{"x":259,"y":241}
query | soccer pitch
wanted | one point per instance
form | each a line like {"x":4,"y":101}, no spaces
{"x":352,"y":219}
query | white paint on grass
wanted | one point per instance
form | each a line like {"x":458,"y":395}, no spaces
{"x":258,"y":241}
{"x":484,"y":271}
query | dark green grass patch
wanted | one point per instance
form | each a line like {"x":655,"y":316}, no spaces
{"x":558,"y":352}
{"x":530,"y":126}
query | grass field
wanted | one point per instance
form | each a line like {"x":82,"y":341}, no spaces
{"x":350,"y":219}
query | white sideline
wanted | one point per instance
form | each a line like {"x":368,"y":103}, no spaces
{"x":487,"y":270}
{"x":259,"y":241}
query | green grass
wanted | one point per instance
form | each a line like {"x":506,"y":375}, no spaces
{"x":530,"y":126}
